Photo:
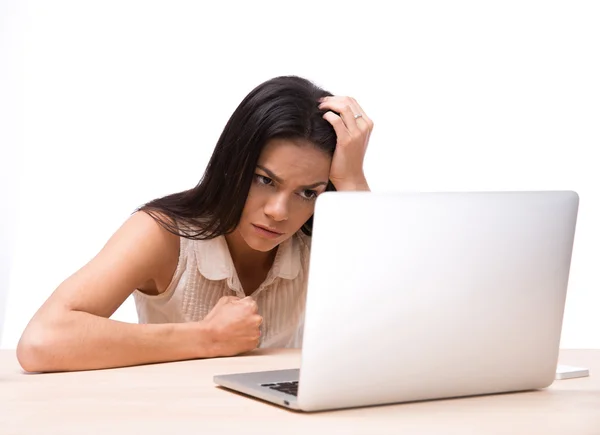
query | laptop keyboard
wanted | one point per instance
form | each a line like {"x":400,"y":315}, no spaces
{"x":285,"y":387}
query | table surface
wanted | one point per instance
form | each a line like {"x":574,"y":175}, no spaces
{"x":180,"y":397}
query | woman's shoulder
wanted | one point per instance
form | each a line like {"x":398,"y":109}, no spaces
{"x":151,"y":226}
{"x":161,"y":243}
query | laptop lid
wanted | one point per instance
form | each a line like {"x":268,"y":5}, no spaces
{"x":417,"y":296}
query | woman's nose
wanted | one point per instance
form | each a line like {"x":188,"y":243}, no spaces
{"x":277,"y":208}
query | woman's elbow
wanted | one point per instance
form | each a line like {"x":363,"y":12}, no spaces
{"x":34,"y":350}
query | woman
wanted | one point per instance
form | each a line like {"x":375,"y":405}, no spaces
{"x":219,"y":269}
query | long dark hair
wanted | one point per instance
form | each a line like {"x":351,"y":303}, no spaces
{"x":283,"y":107}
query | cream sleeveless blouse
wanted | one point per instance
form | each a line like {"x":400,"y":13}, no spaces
{"x":205,"y":273}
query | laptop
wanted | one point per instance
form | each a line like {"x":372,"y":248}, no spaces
{"x":418,"y":296}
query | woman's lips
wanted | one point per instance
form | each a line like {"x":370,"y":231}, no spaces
{"x":266,"y":232}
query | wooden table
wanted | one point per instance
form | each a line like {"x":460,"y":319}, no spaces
{"x":180,"y":398}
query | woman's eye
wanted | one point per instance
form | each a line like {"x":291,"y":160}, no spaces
{"x":264,"y":180}
{"x":309,"y":194}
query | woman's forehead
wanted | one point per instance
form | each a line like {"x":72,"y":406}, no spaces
{"x":298,"y":159}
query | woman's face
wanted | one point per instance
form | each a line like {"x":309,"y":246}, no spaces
{"x":288,"y":178}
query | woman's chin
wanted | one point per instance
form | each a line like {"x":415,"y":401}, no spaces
{"x":261,"y":245}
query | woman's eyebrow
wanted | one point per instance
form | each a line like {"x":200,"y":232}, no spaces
{"x":272,"y":175}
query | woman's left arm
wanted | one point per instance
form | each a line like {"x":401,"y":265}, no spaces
{"x":353,"y":128}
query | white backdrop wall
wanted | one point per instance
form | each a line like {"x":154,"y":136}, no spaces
{"x":123,"y":101}
{"x":11,"y":144}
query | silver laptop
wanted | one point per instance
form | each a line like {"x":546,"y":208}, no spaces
{"x":416,"y":296}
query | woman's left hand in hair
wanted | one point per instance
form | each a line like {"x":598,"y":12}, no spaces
{"x":353,"y":128}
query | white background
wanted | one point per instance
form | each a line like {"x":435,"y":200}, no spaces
{"x":106,"y":105}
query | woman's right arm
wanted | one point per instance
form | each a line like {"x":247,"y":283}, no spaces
{"x":72,"y":329}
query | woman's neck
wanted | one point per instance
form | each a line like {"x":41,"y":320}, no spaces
{"x":245,"y":258}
